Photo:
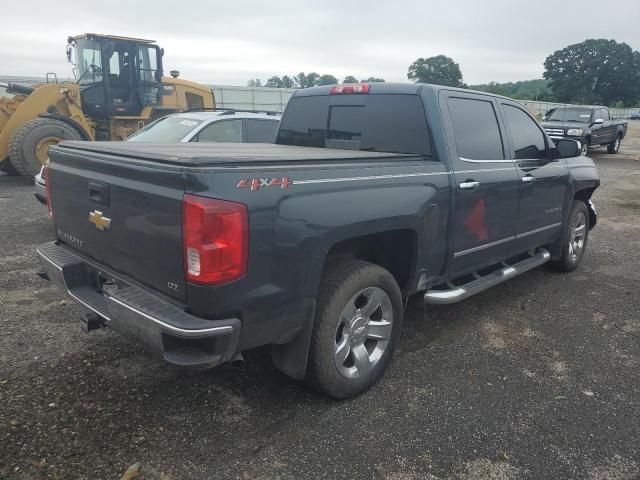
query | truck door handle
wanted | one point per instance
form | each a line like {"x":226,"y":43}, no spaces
{"x":469,"y":185}
{"x":528,"y":178}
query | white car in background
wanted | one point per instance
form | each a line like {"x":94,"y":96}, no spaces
{"x":237,"y":126}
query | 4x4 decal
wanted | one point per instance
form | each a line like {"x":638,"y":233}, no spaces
{"x":255,"y":184}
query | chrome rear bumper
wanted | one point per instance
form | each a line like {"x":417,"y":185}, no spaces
{"x":183,"y":339}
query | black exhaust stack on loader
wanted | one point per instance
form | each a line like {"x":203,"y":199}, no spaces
{"x":17,"y":89}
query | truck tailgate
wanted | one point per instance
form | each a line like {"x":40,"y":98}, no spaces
{"x":124,"y":215}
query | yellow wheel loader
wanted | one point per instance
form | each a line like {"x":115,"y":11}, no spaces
{"x":119,"y":88}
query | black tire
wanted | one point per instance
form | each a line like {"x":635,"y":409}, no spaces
{"x":7,"y":167}
{"x":614,"y":146}
{"x":341,"y":284}
{"x":584,"y":149}
{"x":24,"y":150}
{"x":571,"y":255}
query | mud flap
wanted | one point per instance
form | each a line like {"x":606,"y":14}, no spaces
{"x":291,"y":357}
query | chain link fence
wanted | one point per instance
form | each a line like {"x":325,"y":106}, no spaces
{"x":275,"y":99}
{"x":540,"y":108}
{"x":252,"y":98}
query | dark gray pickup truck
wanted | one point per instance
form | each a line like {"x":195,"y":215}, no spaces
{"x":371,"y":194}
{"x":592,"y":126}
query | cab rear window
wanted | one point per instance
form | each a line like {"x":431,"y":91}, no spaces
{"x":376,"y":123}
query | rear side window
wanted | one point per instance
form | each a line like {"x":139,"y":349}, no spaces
{"x":260,"y":131}
{"x":223,"y":131}
{"x":475,"y":128}
{"x":376,"y":123}
{"x":528,"y":139}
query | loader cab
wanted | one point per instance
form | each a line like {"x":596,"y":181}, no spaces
{"x":118,"y":76}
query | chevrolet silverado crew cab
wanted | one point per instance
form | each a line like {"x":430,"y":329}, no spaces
{"x":592,"y":126}
{"x":371,"y":193}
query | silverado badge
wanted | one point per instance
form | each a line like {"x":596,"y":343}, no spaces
{"x":100,"y":222}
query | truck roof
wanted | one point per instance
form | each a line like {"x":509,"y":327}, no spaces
{"x":382,"y":88}
{"x":111,"y":37}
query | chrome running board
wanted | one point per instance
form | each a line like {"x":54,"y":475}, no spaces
{"x":457,"y":293}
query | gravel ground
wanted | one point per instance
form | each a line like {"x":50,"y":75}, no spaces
{"x":536,"y":378}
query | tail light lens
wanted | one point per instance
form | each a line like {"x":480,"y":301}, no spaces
{"x":349,"y":88}
{"x":47,"y":187}
{"x":216,"y":240}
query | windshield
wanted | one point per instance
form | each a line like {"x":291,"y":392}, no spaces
{"x":167,"y":129}
{"x":375,"y":123}
{"x":580,"y":115}
{"x":88,"y":61}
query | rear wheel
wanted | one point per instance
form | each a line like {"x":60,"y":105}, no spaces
{"x":356,"y":327}
{"x":29,"y":144}
{"x":614,"y":146}
{"x":574,"y":238}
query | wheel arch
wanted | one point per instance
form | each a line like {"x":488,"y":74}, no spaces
{"x":394,"y":250}
{"x":584,"y":195}
{"x":44,"y":97}
{"x":374,"y":247}
{"x":69,"y":121}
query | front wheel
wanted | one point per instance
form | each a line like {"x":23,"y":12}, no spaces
{"x":8,"y":168}
{"x":356,"y":328}
{"x":29,"y":144}
{"x":614,"y":146}
{"x":584,"y":150}
{"x":574,"y":238}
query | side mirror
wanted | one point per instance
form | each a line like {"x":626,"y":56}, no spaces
{"x":598,"y":121}
{"x":567,"y":149}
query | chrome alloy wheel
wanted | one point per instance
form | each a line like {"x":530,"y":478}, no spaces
{"x":616,"y":144}
{"x":577,"y":236}
{"x":363,"y":332}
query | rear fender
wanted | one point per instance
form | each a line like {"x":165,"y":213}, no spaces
{"x":309,"y":225}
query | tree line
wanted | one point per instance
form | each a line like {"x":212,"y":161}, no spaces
{"x":302,"y":80}
{"x":596,"y":71}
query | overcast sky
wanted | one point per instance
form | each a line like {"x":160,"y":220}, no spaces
{"x":229,"y":42}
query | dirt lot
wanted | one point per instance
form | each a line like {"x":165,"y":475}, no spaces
{"x":537,"y":378}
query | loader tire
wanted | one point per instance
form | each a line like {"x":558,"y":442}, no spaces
{"x":6,"y":167}
{"x":29,"y":144}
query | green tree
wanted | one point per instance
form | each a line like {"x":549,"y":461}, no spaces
{"x":594,"y":71}
{"x":277,"y":82}
{"x":288,"y":82}
{"x":350,"y":79}
{"x":327,"y":80}
{"x":372,"y":80}
{"x":440,"y":70}
{"x":537,"y":89}
{"x":306,"y":81}
{"x":254,"y":82}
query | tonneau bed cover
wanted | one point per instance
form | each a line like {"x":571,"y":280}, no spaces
{"x":202,"y":154}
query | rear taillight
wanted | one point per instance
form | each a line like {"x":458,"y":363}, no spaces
{"x":47,"y":187}
{"x":349,"y":88}
{"x":216,"y":240}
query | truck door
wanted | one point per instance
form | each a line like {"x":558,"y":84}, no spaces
{"x":544,"y":182}
{"x":487,"y":182}
{"x":599,"y":127}
{"x":607,"y":126}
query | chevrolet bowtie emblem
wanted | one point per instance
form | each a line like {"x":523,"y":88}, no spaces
{"x":101,"y":223}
